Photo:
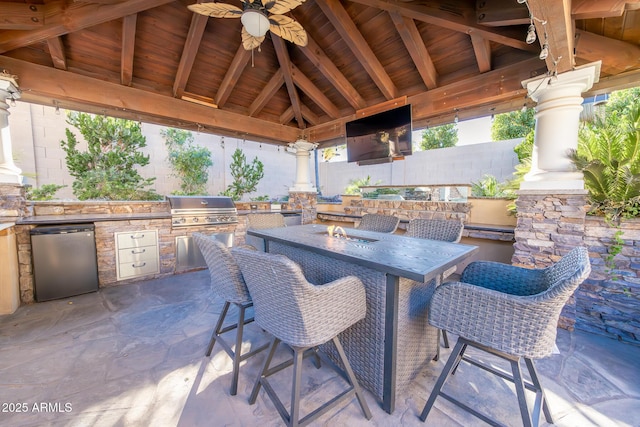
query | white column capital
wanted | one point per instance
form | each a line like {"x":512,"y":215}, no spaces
{"x":559,"y":103}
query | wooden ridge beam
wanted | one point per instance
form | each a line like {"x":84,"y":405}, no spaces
{"x":286,"y":67}
{"x":42,"y":84}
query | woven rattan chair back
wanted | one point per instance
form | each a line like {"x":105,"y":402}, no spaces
{"x":226,"y":278}
{"x":446,"y":230}
{"x":379,"y":223}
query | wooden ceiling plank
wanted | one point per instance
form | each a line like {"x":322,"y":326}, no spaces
{"x":189,"y":52}
{"x":617,"y":56}
{"x":240,"y":61}
{"x":62,"y":18}
{"x":285,"y":66}
{"x":21,"y":16}
{"x":501,"y":13}
{"x":412,"y":40}
{"x":128,"y":48}
{"x":272,"y":87}
{"x":482,"y":50}
{"x":589,"y":9}
{"x":559,"y":29}
{"x":316,"y":55}
{"x":312,"y":91}
{"x":439,"y":14}
{"x":39,"y":83}
{"x":56,"y":50}
{"x":347,"y":29}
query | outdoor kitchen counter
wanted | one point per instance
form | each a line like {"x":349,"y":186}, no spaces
{"x":84,"y":218}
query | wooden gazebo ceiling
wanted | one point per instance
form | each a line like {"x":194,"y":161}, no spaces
{"x":155,"y":61}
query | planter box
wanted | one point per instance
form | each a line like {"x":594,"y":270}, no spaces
{"x":491,"y":212}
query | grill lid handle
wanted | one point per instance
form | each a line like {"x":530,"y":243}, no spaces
{"x":204,"y":202}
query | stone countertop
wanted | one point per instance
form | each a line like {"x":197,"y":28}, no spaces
{"x":5,"y":225}
{"x":267,"y":211}
{"x":85,"y":218}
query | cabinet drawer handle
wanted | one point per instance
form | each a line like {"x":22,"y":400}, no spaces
{"x":137,"y":236}
{"x":139,"y":265}
{"x":139,"y":251}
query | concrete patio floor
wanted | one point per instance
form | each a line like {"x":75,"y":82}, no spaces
{"x":134,"y":356}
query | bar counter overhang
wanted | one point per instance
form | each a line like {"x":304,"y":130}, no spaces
{"x":394,"y":342}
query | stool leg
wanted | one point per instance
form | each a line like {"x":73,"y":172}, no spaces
{"x":218,"y":327}
{"x":533,"y":373}
{"x":520,"y":392}
{"x":237,"y":354}
{"x":265,"y":368}
{"x":445,"y":338}
{"x":294,"y":417}
{"x":352,"y":379}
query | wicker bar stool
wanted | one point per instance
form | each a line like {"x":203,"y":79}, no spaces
{"x":227,"y":283}
{"x":446,"y":230}
{"x":303,"y":316}
{"x":379,"y":223}
{"x":260,"y":221}
{"x":510,"y":312}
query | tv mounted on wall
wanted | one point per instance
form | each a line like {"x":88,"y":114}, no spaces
{"x":380,"y":138}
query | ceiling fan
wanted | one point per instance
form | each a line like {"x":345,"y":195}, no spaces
{"x":258,"y":17}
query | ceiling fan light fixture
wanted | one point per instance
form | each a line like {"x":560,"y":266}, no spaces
{"x":255,"y":22}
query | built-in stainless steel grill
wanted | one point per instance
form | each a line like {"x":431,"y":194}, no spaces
{"x":202,"y":210}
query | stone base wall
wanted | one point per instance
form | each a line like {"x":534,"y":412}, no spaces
{"x":103,"y":207}
{"x":13,"y":202}
{"x":410,"y":209}
{"x":307,"y":202}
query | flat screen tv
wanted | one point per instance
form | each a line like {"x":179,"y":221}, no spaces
{"x":381,"y":137}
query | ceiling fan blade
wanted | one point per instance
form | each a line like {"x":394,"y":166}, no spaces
{"x":288,"y":29}
{"x":278,"y":7}
{"x":250,"y":42}
{"x":216,"y":10}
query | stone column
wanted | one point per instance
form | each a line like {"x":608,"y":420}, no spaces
{"x":9,"y":172}
{"x":303,"y":181}
{"x":557,"y":119}
{"x":305,"y":201}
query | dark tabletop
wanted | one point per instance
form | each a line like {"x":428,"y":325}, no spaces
{"x":413,"y":258}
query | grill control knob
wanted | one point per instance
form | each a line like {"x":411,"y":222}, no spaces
{"x":209,"y":219}
{"x":195,"y":219}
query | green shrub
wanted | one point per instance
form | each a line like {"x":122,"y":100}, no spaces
{"x":188,"y":161}
{"x":246,"y":176}
{"x":45,"y":192}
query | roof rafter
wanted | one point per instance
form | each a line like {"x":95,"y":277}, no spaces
{"x":240,"y":61}
{"x":342,"y":22}
{"x":285,"y":66}
{"x":412,"y":40}
{"x":482,"y":50}
{"x":128,"y":48}
{"x":189,"y":52}
{"x":558,"y":28}
{"x":617,"y":56}
{"x":56,"y":50}
{"x":316,"y":55}
{"x":275,"y":82}
{"x":62,"y":18}
{"x":312,"y":91}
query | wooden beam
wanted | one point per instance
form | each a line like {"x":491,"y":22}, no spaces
{"x":275,"y":83}
{"x":559,"y":30}
{"x":309,"y":116}
{"x":342,"y":22}
{"x":285,"y":66}
{"x":496,"y":87}
{"x":189,"y":51}
{"x":62,"y":18}
{"x":617,"y":56}
{"x":589,"y":9}
{"x":314,"y":93}
{"x":42,"y":84}
{"x":482,"y":50}
{"x":56,"y":50}
{"x":316,"y":55}
{"x":287,"y":116}
{"x":501,"y":13}
{"x":21,"y":16}
{"x":383,"y":106}
{"x":240,"y":61}
{"x":454,"y":18}
{"x":128,"y":48}
{"x":412,"y":40}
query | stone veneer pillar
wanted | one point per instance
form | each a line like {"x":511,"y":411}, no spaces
{"x":9,"y":172}
{"x":306,"y":201}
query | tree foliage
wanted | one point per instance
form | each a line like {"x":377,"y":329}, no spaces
{"x":488,"y":186}
{"x":189,"y":161}
{"x":107,"y":169}
{"x":246,"y":176}
{"x":516,"y":124}
{"x":354,"y":187}
{"x":439,"y":137}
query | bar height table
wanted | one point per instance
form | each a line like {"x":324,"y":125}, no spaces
{"x":394,"y":341}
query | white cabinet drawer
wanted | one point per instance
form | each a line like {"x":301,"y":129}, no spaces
{"x":139,"y":268}
{"x":137,"y":254}
{"x":136,"y":239}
